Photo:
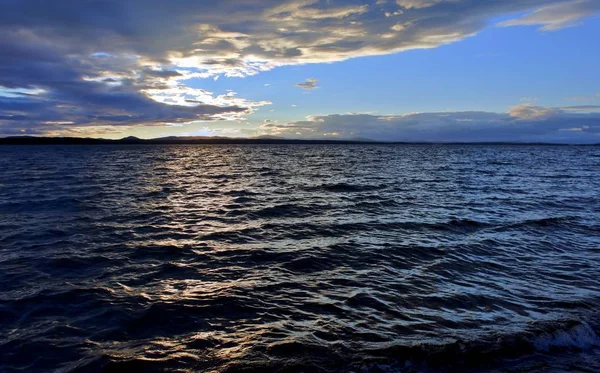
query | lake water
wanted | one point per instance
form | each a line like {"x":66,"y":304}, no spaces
{"x":333,"y":258}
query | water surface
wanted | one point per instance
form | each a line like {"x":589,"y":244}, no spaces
{"x":299,"y":258}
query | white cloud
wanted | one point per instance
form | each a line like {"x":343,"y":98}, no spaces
{"x":529,"y":111}
{"x":418,"y":4}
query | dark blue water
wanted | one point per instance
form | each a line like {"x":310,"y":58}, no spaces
{"x":299,"y":258}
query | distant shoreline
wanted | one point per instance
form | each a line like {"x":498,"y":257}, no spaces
{"x":238,"y":141}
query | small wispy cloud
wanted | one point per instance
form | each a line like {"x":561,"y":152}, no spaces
{"x":310,"y":84}
{"x":585,"y":98}
{"x":557,"y":16}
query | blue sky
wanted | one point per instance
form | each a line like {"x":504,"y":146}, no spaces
{"x":510,"y":71}
{"x":491,"y":71}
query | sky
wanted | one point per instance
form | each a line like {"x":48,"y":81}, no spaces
{"x":390,"y":70}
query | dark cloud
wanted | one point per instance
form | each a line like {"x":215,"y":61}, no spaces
{"x":310,"y":83}
{"x":162,"y":73}
{"x":94,"y":91}
{"x":555,"y":125}
{"x":233,"y":33}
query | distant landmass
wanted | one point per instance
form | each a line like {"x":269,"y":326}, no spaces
{"x":132,"y":140}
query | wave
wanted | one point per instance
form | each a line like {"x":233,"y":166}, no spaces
{"x":287,"y":210}
{"x":544,"y":222}
{"x":239,"y":193}
{"x":549,"y":337}
{"x":311,"y":229}
{"x":561,"y":341}
{"x":500,"y":163}
{"x":345,"y":188}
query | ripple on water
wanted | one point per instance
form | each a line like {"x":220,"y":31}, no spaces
{"x":299,"y":258}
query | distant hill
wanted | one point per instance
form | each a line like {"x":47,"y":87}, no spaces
{"x":132,"y":140}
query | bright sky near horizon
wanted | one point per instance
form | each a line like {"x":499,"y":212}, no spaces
{"x":402,"y":70}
